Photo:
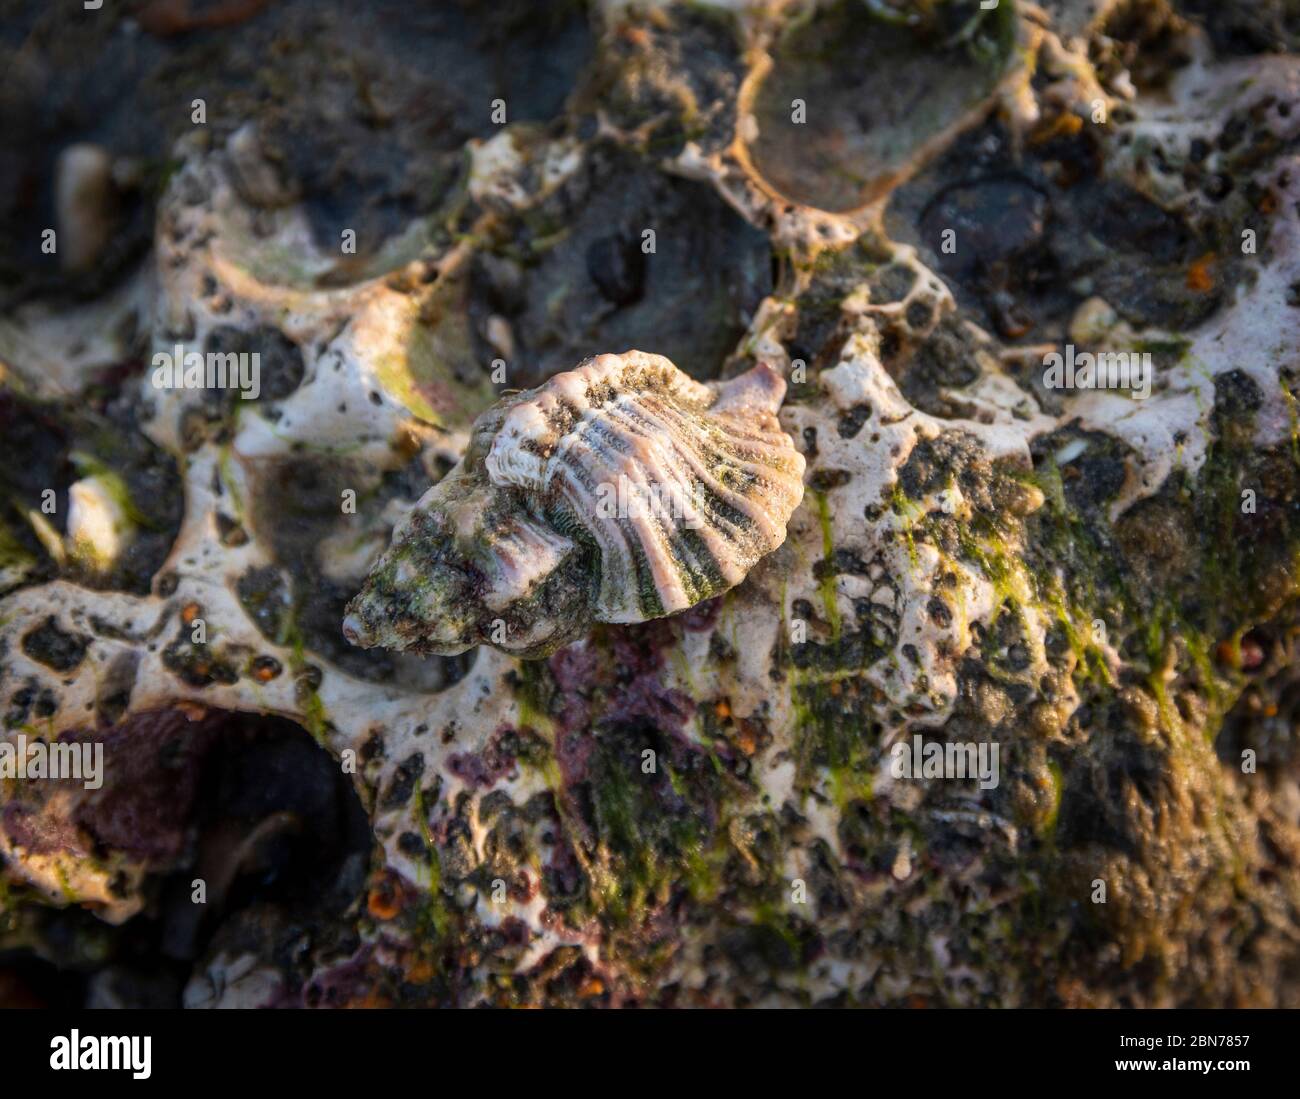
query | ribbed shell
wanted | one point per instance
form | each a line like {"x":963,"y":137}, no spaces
{"x":679,"y":488}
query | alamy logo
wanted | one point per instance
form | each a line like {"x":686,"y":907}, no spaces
{"x":1106,"y":370}
{"x":61,"y":760}
{"x":181,"y":369}
{"x":78,"y":1051}
{"x":631,"y":500}
{"x":954,"y":759}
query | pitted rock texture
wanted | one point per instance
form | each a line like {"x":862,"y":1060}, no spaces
{"x":704,"y":809}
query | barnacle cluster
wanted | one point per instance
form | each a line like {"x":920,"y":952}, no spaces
{"x":803,"y":260}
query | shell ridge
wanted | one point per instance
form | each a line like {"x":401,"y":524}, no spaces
{"x":615,"y":553}
{"x":692,"y":489}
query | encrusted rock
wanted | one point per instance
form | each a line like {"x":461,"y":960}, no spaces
{"x":1093,"y":591}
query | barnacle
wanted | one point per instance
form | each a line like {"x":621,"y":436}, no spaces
{"x":619,"y":491}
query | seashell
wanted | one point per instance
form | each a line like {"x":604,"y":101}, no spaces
{"x":619,"y":491}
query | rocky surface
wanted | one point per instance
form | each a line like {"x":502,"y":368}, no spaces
{"x":904,"y":207}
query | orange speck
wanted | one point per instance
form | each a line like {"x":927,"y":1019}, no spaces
{"x":384,"y":900}
{"x":190,"y":613}
{"x":1226,"y":651}
{"x":592,"y":986}
{"x":745,"y":741}
{"x":722,"y":708}
{"x":420,"y":971}
{"x":1063,"y":125}
{"x":637,"y":36}
{"x":1200,"y":276}
{"x":372,"y":999}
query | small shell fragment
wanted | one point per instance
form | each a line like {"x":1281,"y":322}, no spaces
{"x":619,"y":491}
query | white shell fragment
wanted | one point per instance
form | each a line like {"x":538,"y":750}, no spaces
{"x":99,"y":530}
{"x":619,"y":491}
